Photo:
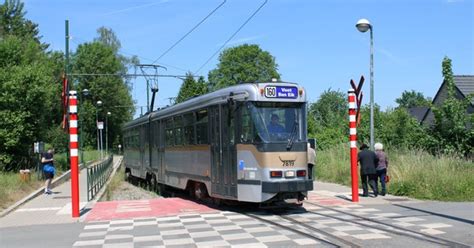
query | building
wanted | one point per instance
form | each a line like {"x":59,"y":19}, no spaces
{"x":464,"y":87}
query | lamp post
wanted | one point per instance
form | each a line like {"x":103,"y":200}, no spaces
{"x":84,"y":93}
{"x":98,"y":104}
{"x":363,"y":25}
{"x":106,"y":134}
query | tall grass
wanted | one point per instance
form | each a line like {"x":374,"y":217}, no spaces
{"x":13,"y":189}
{"x":413,"y":173}
{"x":114,"y":184}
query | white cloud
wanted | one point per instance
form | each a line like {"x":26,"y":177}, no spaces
{"x":134,"y":7}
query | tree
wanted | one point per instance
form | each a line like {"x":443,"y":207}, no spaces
{"x":29,"y":99}
{"x":327,"y":119}
{"x":452,"y":129}
{"x":243,"y":64}
{"x":101,"y":56}
{"x":411,"y":99}
{"x":191,"y":88}
{"x":13,"y":22}
{"x":399,"y":129}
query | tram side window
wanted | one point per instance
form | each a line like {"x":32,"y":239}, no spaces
{"x":248,"y":132}
{"x":188,"y":122}
{"x":201,"y":127}
{"x":178,"y":131}
{"x":169,"y":132}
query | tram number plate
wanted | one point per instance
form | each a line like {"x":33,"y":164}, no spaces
{"x":281,"y":92}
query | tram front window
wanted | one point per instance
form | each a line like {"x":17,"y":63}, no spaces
{"x":272,"y":122}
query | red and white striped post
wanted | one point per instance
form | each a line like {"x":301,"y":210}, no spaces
{"x":353,"y":144}
{"x":73,"y":152}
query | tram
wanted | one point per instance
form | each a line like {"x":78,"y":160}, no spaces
{"x":243,"y":143}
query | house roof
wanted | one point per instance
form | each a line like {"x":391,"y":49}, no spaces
{"x":418,"y":112}
{"x":465,"y":84}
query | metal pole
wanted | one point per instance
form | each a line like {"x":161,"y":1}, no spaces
{"x":371,"y":89}
{"x":353,"y":144}
{"x":106,"y":135}
{"x":81,"y":152}
{"x":97,"y":127}
{"x":101,"y":144}
{"x":147,"y":96}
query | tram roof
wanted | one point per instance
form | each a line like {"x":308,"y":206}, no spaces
{"x":240,"y":92}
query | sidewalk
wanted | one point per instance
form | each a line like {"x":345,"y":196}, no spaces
{"x":50,"y":209}
{"x":344,"y":193}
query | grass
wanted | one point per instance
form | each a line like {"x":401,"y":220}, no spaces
{"x":115,"y":182}
{"x":13,"y":189}
{"x":413,"y":173}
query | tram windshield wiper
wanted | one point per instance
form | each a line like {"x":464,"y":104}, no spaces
{"x":291,"y":140}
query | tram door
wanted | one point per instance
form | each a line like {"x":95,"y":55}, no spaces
{"x":161,"y":152}
{"x":224,"y":170}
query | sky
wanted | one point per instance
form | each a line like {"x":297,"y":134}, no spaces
{"x":315,"y":43}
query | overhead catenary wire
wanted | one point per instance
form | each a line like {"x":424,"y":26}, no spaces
{"x":74,"y":38}
{"x":232,"y":36}
{"x":189,"y":32}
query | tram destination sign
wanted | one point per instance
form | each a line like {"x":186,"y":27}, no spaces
{"x":281,"y":92}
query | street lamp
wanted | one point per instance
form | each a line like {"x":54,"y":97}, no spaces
{"x":363,"y":25}
{"x":106,"y":134}
{"x":98,"y":104}
{"x":84,"y":93}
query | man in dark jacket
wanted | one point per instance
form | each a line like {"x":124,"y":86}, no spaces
{"x":368,"y":163}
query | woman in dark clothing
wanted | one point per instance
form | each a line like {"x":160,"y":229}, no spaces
{"x":381,"y":166}
{"x":368,"y":162}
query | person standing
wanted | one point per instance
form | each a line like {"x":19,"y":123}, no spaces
{"x":381,"y":167}
{"x":48,"y":169}
{"x":311,"y":161}
{"x":368,"y":163}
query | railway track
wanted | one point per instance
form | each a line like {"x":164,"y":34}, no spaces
{"x":393,"y":229}
{"x":324,"y":237}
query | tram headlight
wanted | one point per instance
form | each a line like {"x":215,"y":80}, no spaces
{"x":290,"y":173}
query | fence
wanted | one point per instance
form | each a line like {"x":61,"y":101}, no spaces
{"x":97,"y":176}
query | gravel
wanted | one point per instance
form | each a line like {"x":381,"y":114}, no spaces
{"x":127,"y":191}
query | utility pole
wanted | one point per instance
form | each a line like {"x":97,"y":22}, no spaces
{"x":72,"y":118}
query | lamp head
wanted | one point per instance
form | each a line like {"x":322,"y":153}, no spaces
{"x":99,"y":103}
{"x":363,"y":25}
{"x":85,"y":92}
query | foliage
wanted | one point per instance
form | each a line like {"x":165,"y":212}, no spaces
{"x":411,"y":99}
{"x":101,"y":56}
{"x":452,"y":130}
{"x":327,"y":119}
{"x":399,"y":129}
{"x":191,"y":88}
{"x":30,"y":96}
{"x":14,"y":23}
{"x":243,"y":64}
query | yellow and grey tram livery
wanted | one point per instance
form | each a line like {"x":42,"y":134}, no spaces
{"x":244,"y":143}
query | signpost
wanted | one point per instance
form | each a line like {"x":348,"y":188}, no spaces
{"x":100,"y":126}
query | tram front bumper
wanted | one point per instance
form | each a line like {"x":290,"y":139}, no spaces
{"x":290,"y":186}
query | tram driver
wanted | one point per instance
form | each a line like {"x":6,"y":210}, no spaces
{"x":274,"y":127}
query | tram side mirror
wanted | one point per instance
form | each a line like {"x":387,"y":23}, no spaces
{"x":312,"y":143}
